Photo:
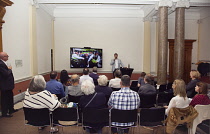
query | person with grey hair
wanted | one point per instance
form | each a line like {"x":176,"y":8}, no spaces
{"x":124,"y":99}
{"x":102,"y":86}
{"x":115,"y":83}
{"x":147,"y":88}
{"x":94,"y":75}
{"x":6,"y":86}
{"x":92,"y":99}
{"x":75,"y":88}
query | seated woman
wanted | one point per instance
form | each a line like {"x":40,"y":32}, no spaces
{"x":115,"y":83}
{"x":190,"y":88}
{"x":102,"y":86}
{"x":201,"y":98}
{"x":92,"y":99}
{"x":65,"y":80}
{"x":180,"y":100}
{"x":36,"y":97}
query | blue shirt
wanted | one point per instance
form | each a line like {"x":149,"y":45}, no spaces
{"x":55,"y":87}
{"x":124,"y":99}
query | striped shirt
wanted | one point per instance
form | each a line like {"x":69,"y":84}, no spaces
{"x":40,"y":100}
{"x":124,"y":99}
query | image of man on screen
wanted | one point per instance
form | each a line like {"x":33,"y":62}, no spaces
{"x":116,"y":63}
{"x":94,"y":59}
{"x":76,"y":60}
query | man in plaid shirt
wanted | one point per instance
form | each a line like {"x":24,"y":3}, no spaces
{"x":124,"y":99}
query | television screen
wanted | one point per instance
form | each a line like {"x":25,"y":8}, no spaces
{"x":85,"y":57}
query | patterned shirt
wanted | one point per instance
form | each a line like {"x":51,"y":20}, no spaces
{"x":124,"y":99}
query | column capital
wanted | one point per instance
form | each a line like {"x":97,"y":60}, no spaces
{"x":182,"y":3}
{"x":34,"y":3}
{"x":164,"y":3}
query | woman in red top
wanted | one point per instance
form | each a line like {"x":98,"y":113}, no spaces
{"x":201,"y":98}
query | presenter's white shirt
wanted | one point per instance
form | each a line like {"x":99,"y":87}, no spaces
{"x":116,"y":63}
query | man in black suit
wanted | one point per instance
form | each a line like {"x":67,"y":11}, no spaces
{"x":6,"y":86}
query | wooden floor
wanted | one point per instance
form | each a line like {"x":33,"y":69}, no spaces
{"x":15,"y":125}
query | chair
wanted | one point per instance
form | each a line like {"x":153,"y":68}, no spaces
{"x":164,"y":98}
{"x":152,"y":117}
{"x":123,"y":116}
{"x":162,"y":88}
{"x":37,"y":117}
{"x":134,"y":83}
{"x":75,"y":99}
{"x":93,"y":117}
{"x":203,"y":114}
{"x":147,"y":100}
{"x":65,"y":114}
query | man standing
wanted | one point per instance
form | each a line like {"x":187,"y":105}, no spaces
{"x":124,"y":99}
{"x":55,"y":87}
{"x":116,"y":63}
{"x":6,"y":86}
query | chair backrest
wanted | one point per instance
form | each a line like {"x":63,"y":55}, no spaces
{"x":75,"y":99}
{"x":94,"y":115}
{"x":136,"y":89}
{"x":66,"y":114}
{"x":147,"y":100}
{"x":162,"y":88}
{"x":164,"y":97}
{"x":123,"y":116}
{"x":116,"y":89}
{"x":37,"y":117}
{"x":152,"y":116}
{"x":134,"y":84}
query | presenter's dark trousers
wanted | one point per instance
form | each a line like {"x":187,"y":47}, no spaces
{"x":7,"y":102}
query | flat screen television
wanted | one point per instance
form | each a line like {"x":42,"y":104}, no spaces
{"x":85,"y":57}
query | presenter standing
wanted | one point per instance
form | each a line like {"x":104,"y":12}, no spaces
{"x":116,"y":63}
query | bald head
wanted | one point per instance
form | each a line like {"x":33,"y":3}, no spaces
{"x":3,"y":56}
{"x":75,"y":79}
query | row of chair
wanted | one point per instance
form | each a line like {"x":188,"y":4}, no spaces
{"x":146,"y":117}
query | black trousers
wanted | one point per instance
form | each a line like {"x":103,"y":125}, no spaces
{"x":7,"y":102}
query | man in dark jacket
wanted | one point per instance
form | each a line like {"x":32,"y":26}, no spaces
{"x":6,"y":86}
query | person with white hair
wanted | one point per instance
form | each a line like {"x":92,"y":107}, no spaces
{"x":102,"y":86}
{"x":92,"y":99}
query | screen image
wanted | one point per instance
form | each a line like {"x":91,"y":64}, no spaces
{"x":85,"y":57}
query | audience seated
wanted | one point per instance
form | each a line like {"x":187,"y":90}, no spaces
{"x":65,"y":80}
{"x":147,"y":88}
{"x":102,"y":87}
{"x":85,"y":76}
{"x":36,"y":97}
{"x":115,"y":83}
{"x":180,"y":100}
{"x":94,"y":75}
{"x":201,"y":98}
{"x":194,"y":75}
{"x":124,"y":99}
{"x":92,"y":99}
{"x":55,"y":87}
{"x":75,"y":88}
{"x":141,"y":79}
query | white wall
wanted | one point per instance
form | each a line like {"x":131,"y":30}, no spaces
{"x":15,"y":35}
{"x":205,"y":35}
{"x":44,"y":40}
{"x":121,"y":35}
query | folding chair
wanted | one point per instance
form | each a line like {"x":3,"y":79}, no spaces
{"x":123,"y":116}
{"x":37,"y":117}
{"x":92,"y":117}
{"x":65,"y":114}
{"x":147,"y":100}
{"x":152,"y":117}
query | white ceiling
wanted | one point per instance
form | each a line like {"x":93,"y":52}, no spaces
{"x":138,"y":8}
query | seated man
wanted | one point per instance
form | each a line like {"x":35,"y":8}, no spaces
{"x":94,"y":75}
{"x":55,"y":87}
{"x":129,"y":101}
{"x":115,"y":83}
{"x":75,"y":88}
{"x":147,"y":88}
{"x":85,"y":76}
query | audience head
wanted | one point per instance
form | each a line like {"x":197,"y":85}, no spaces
{"x":201,"y":88}
{"x":115,"y":55}
{"x":4,"y":56}
{"x":53,"y":75}
{"x":85,"y":71}
{"x":75,"y":79}
{"x":179,"y":88}
{"x":87,"y":87}
{"x":102,"y":80}
{"x":148,"y":79}
{"x":64,"y":77}
{"x":117,"y":73}
{"x":37,"y":84}
{"x":125,"y":81}
{"x":143,"y":74}
{"x":194,"y":74}
{"x":95,"y":69}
